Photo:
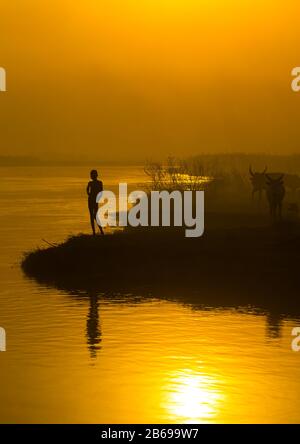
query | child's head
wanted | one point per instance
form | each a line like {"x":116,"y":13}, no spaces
{"x":94,"y":174}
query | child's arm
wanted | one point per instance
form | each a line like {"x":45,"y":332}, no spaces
{"x":88,"y":188}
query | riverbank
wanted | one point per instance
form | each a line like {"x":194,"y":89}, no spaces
{"x":227,"y":266}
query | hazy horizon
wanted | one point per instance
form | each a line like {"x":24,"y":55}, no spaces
{"x":131,"y":80}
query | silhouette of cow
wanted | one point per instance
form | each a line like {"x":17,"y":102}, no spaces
{"x":258,"y":181}
{"x":259,"y":184}
{"x":275,"y":191}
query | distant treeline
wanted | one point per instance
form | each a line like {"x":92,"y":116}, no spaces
{"x":239,"y":162}
{"x":14,"y":161}
{"x":18,"y":161}
{"x":210,"y":163}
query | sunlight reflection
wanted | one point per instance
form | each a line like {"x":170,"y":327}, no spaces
{"x":193,"y":397}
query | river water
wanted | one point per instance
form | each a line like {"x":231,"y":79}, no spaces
{"x":122,"y":358}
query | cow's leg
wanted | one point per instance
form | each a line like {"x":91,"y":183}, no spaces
{"x":272,"y":212}
{"x":280,"y":210}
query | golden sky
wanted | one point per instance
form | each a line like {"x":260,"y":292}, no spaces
{"x":133,"y":79}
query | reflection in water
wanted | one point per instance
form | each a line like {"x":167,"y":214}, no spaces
{"x":192,"y":397}
{"x":93,"y":331}
{"x":274,"y":324}
{"x":164,"y":361}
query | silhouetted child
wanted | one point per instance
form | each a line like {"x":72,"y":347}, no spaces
{"x":94,"y":187}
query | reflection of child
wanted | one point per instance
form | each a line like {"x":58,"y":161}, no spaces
{"x":94,"y":187}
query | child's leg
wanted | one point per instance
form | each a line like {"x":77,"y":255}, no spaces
{"x":92,"y":220}
{"x":95,"y":216}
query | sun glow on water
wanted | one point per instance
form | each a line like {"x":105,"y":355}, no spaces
{"x":193,"y":397}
